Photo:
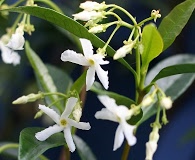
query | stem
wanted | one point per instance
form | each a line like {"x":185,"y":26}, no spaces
{"x":51,"y":4}
{"x":145,"y":20}
{"x":8,"y":146}
{"x":55,"y":93}
{"x":125,"y":11}
{"x":125,"y":151}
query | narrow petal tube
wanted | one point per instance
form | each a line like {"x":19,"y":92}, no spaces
{"x":46,"y":133}
{"x":50,"y":112}
{"x":72,"y":56}
{"x":69,"y":140}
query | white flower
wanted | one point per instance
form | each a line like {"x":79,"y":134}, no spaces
{"x":8,"y":55}
{"x":124,"y":50}
{"x":63,"y":123}
{"x":93,"y":61}
{"x":166,"y":102}
{"x":17,"y":40}
{"x":88,"y":15}
{"x":151,"y":147}
{"x":89,"y":6}
{"x":119,"y":114}
{"x":97,"y":29}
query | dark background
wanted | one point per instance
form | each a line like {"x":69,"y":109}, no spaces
{"x":175,"y":141}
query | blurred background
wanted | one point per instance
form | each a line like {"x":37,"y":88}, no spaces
{"x":177,"y":138}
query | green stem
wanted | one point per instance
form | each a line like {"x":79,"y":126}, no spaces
{"x":145,"y":20}
{"x":55,"y":93}
{"x":51,"y":4}
{"x":125,"y":11}
{"x":8,"y":146}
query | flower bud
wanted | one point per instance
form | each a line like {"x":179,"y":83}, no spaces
{"x":147,"y":101}
{"x":29,"y":98}
{"x":87,"y":15}
{"x":97,"y":29}
{"x":155,"y":14}
{"x":124,"y":50}
{"x":90,"y":6}
{"x":151,"y":147}
{"x":77,"y":112}
{"x":166,"y":102}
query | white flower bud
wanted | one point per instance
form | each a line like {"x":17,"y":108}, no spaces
{"x":87,"y":15}
{"x":124,"y":50}
{"x":151,"y":147}
{"x":90,"y":6}
{"x":97,"y":29}
{"x":147,"y":101}
{"x":166,"y":102}
{"x":29,"y":98}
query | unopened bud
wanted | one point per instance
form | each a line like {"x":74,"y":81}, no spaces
{"x":29,"y":98}
{"x":38,"y":114}
{"x":97,"y":29}
{"x":77,"y":112}
{"x":166,"y":102}
{"x":147,"y":101}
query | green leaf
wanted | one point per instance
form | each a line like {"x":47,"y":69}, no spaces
{"x":60,"y":78}
{"x":68,"y":24}
{"x":79,"y":83}
{"x":83,"y":149}
{"x":120,"y":99}
{"x":1,"y":2}
{"x":43,"y":77}
{"x":152,"y":43}
{"x":30,"y":148}
{"x":173,"y":86}
{"x":174,"y":22}
{"x":175,"y":69}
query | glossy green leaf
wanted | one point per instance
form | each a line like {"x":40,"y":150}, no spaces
{"x":79,"y":83}
{"x":120,"y":99}
{"x":30,"y":148}
{"x":68,"y":24}
{"x":60,"y":78}
{"x":44,"y":79}
{"x":173,"y":86}
{"x":174,"y":22}
{"x":83,"y":149}
{"x":152,"y":44}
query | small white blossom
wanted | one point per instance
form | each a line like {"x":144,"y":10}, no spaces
{"x":9,"y":56}
{"x":124,"y":50}
{"x":151,"y":145}
{"x":155,"y":14}
{"x":90,"y":6}
{"x":88,"y":15}
{"x":63,"y":123}
{"x":93,"y":61}
{"x":166,"y":102}
{"x":97,"y":29}
{"x":119,"y":114}
{"x":17,"y":39}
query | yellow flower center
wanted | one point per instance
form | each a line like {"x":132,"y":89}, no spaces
{"x":91,"y":61}
{"x":63,"y":122}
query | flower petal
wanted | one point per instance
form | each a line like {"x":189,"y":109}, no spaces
{"x":108,"y":102}
{"x":69,"y":140}
{"x":105,"y":114}
{"x":79,"y":125}
{"x":102,"y":75}
{"x":16,"y":42}
{"x":87,"y":47}
{"x":119,"y":138}
{"x":72,"y":56}
{"x":46,"y":133}
{"x":50,"y":112}
{"x":128,"y":132}
{"x":71,"y":102}
{"x":98,"y":58}
{"x":90,"y":77}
